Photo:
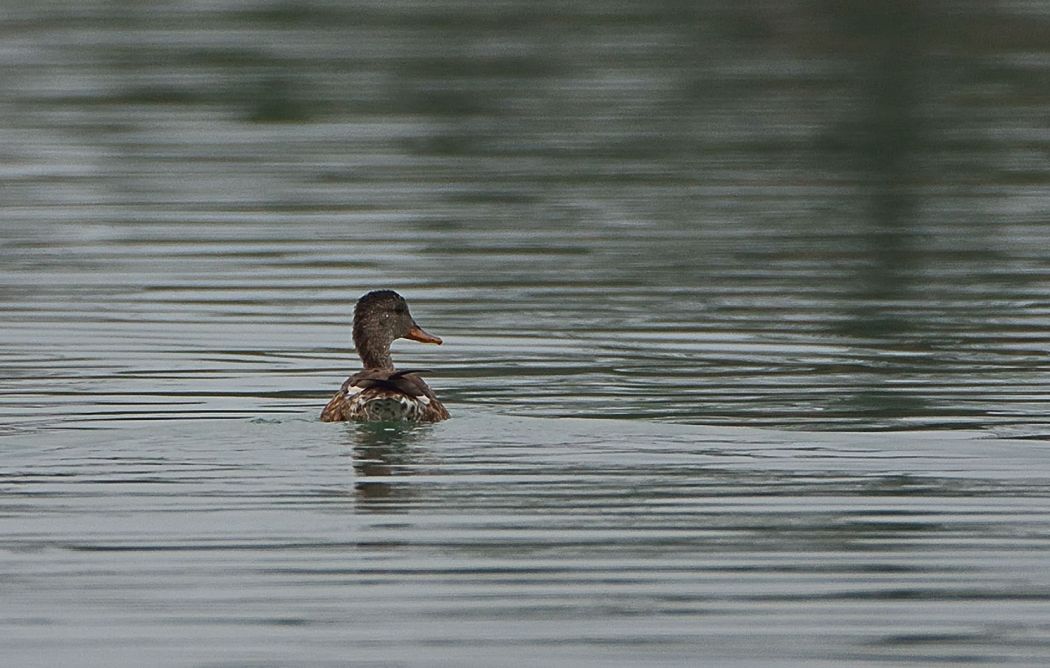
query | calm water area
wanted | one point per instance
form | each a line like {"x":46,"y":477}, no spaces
{"x":746,"y":309}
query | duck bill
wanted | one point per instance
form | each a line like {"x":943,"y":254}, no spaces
{"x":417,"y":333}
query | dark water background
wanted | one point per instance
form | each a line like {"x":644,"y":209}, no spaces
{"x":681,"y":220}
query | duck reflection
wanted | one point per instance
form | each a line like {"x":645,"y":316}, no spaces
{"x":382,"y":451}
{"x":886,"y":142}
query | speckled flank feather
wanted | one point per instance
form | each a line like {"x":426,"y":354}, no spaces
{"x":383,"y":405}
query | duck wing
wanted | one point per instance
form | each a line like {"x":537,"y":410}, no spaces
{"x":405,"y":382}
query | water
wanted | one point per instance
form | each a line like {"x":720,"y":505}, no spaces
{"x":512,"y":541}
{"x":745,"y":312}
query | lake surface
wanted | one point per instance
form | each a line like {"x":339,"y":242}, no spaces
{"x":746,"y":314}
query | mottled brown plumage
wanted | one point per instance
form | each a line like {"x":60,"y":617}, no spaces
{"x":379,"y":392}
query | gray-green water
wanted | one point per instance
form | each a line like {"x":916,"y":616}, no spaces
{"x":788,"y":259}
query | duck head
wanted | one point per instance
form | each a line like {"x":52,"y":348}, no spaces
{"x":380,"y":318}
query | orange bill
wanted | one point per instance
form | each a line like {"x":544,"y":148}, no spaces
{"x":417,"y":334}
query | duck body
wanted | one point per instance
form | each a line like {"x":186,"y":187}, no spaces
{"x":381,"y":393}
{"x":384,"y":395}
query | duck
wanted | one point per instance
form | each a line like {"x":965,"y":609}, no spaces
{"x":379,"y":392}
